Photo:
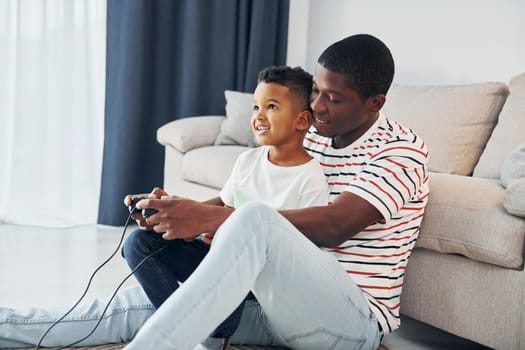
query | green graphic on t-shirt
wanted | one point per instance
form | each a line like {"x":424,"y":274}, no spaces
{"x":239,"y":199}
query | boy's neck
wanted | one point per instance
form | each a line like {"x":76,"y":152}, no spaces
{"x":288,"y":156}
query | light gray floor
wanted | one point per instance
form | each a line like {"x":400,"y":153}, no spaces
{"x":51,"y":267}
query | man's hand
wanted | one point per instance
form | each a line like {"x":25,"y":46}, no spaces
{"x":157,"y":193}
{"x":182,"y":218}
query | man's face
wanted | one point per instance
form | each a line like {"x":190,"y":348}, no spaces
{"x":339,"y":112}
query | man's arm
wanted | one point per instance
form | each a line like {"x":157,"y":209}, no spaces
{"x":214,"y":201}
{"x":184,"y":218}
{"x":158,"y":193}
{"x":331,"y":225}
{"x":325,"y":225}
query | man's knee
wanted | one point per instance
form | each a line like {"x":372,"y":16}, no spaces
{"x":254,"y":210}
{"x":248,"y":219}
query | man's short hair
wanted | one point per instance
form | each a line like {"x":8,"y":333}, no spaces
{"x":296,"y":79}
{"x":365,"y":60}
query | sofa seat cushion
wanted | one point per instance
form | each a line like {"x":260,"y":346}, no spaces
{"x":465,"y":215}
{"x":210,"y":166}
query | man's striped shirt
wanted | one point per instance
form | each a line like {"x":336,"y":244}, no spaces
{"x":387,"y":166}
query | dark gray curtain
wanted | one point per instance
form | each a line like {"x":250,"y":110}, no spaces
{"x":169,"y":59}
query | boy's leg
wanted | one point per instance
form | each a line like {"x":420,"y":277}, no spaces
{"x":161,"y":274}
{"x":307,"y":299}
{"x":128,"y":311}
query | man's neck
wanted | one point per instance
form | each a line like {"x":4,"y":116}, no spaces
{"x":342,"y":141}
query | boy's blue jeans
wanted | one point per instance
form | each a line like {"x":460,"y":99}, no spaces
{"x":161,"y":274}
{"x":305,"y":299}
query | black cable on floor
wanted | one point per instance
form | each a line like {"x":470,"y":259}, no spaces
{"x":38,"y":345}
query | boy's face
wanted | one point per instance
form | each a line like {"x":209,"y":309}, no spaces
{"x":339,"y":112}
{"x":276,"y":118}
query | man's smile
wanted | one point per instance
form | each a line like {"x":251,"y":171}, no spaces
{"x":319,"y":121}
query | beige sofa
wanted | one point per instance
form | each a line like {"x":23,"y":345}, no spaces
{"x":466,"y":274}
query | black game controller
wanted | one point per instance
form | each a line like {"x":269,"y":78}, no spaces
{"x":145,"y":212}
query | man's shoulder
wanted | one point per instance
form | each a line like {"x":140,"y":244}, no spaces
{"x":397,"y":129}
{"x":312,"y":138}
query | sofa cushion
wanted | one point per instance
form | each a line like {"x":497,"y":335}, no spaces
{"x":454,"y":121}
{"x":189,"y":133}
{"x":236,"y":129}
{"x":513,"y":166}
{"x":210,"y":166}
{"x":465,"y":216}
{"x":508,"y":134}
{"x":514,"y":200}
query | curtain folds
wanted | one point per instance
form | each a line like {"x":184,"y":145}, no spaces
{"x":173,"y":59}
{"x":51,"y":110}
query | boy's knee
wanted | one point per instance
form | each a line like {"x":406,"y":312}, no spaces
{"x":134,"y":245}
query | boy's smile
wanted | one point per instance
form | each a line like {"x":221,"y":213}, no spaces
{"x":261,"y":129}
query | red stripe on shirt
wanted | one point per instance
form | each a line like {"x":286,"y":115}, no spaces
{"x":381,"y":287}
{"x":374,"y":255}
{"x":393,"y":226}
{"x":399,"y":147}
{"x":316,"y":142}
{"x":382,"y":190}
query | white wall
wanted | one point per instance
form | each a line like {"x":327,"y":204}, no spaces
{"x":433,"y":41}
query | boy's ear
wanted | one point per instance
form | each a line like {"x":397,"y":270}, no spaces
{"x":304,"y":120}
{"x":375,"y":103}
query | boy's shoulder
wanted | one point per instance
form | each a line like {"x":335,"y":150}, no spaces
{"x":253,"y":152}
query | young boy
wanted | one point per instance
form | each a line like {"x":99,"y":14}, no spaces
{"x":280,"y":173}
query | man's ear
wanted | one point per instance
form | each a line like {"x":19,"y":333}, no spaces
{"x":375,"y":103}
{"x":304,"y":120}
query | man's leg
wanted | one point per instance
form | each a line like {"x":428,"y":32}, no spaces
{"x":128,"y":311}
{"x":307,"y":299}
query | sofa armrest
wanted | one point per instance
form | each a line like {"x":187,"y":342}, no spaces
{"x":189,"y":133}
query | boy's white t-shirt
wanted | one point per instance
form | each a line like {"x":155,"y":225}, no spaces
{"x":254,"y":177}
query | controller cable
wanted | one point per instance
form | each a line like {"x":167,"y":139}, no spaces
{"x":38,"y":345}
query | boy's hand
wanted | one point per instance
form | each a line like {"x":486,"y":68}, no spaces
{"x":207,"y":237}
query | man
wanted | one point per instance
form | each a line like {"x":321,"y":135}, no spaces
{"x":325,"y":277}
